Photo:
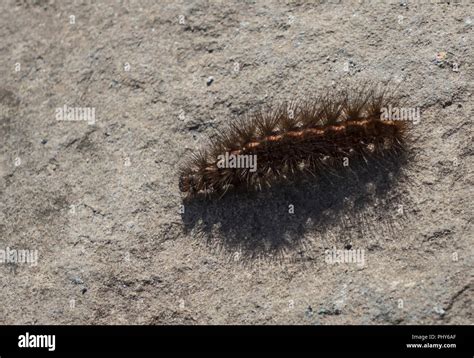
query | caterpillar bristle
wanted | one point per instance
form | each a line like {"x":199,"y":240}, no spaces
{"x":311,"y":136}
{"x":266,"y":121}
{"x":356,"y":101}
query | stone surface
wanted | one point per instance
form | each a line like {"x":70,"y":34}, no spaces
{"x":100,"y":201}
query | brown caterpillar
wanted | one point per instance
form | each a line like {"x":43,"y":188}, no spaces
{"x":295,"y":138}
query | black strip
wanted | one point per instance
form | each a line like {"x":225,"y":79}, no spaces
{"x":350,"y":339}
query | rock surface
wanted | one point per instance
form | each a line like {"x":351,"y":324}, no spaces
{"x":99,"y":199}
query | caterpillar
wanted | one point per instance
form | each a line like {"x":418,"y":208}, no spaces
{"x":295,"y":138}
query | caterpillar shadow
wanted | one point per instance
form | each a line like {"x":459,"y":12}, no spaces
{"x":273,"y":221}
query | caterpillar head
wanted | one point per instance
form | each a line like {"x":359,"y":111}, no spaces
{"x":188,"y":183}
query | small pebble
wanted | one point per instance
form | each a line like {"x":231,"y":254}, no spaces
{"x":210,"y":80}
{"x":77,"y":281}
{"x":323,"y":311}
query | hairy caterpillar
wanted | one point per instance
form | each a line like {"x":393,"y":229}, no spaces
{"x":296,"y":138}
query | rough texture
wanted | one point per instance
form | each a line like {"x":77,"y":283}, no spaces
{"x":101,"y":204}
